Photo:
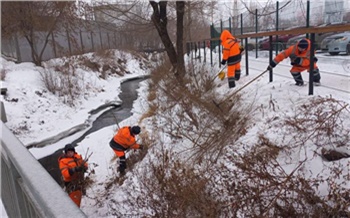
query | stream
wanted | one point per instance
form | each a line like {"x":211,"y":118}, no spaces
{"x":128,"y":95}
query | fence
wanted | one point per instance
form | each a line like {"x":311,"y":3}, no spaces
{"x":288,"y":15}
{"x":282,"y":16}
{"x":27,"y":190}
{"x":285,"y":15}
{"x":92,"y":36}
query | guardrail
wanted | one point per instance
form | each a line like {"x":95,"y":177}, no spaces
{"x":27,"y":189}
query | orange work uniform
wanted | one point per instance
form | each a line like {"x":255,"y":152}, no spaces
{"x":232,"y":54}
{"x":72,"y":182}
{"x":293,"y":53}
{"x":122,"y":141}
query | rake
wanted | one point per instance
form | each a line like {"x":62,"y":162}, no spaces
{"x":238,"y":90}
{"x":217,"y":74}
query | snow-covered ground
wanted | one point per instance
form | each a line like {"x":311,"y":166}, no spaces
{"x":35,"y":114}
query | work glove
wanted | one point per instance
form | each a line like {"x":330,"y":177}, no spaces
{"x":241,"y":49}
{"x":79,"y":169}
{"x":315,"y":59}
{"x":223,"y":62}
{"x":272,"y":65}
{"x":296,"y":61}
{"x":237,"y":76}
{"x":71,"y":171}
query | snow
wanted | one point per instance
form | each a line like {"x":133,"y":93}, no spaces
{"x":35,"y":114}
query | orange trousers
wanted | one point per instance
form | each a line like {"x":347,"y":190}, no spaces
{"x":233,"y":69}
{"x":119,"y":153}
{"x":76,"y":197}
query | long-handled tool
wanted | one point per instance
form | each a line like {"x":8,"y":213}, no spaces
{"x":238,"y":90}
{"x":116,"y":120}
{"x":218,"y":73}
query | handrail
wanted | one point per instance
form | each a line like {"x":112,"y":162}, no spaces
{"x":27,"y":189}
{"x":303,"y":30}
{"x":296,"y":31}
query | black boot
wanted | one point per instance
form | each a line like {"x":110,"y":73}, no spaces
{"x":298,"y":79}
{"x":231,"y":82}
{"x":317,"y":77}
{"x":122,"y":165}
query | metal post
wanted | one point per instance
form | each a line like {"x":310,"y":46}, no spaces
{"x":221,"y":26}
{"x":311,"y":73}
{"x":270,"y":59}
{"x":246,"y":57}
{"x":229,"y":24}
{"x":205,"y":55}
{"x":276,"y":41}
{"x":219,"y":53}
{"x":199,"y":51}
{"x":307,"y":16}
{"x":241,"y":24}
{"x":211,"y":53}
{"x":191,"y":51}
{"x":256,"y":30}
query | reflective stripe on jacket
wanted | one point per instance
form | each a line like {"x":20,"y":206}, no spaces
{"x":293,"y":52}
{"x":65,"y":163}
{"x":230,"y":48}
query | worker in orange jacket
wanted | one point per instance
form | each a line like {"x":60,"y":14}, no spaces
{"x":72,"y":168}
{"x":123,"y":140}
{"x":299,"y":55}
{"x":232,"y":54}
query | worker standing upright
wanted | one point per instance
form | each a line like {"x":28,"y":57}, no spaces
{"x":232,"y":54}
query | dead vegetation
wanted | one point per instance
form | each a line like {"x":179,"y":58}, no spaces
{"x":211,"y":174}
{"x":190,"y":115}
{"x":322,"y":122}
{"x":65,"y":80}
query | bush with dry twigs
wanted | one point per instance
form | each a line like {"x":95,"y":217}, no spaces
{"x":211,"y":173}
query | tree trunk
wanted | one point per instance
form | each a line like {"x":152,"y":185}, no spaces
{"x":159,"y":19}
{"x":180,"y":12}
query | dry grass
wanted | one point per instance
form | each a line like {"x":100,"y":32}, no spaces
{"x":64,"y":82}
{"x":189,"y":115}
{"x":251,"y":184}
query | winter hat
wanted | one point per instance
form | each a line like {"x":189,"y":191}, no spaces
{"x":69,"y":147}
{"x":303,"y":44}
{"x":135,"y":130}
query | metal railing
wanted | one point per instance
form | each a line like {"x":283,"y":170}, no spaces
{"x":27,"y":189}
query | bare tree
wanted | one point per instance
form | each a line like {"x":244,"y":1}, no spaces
{"x":160,"y":20}
{"x":29,"y":19}
{"x":173,"y":22}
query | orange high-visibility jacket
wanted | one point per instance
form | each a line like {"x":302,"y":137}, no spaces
{"x":293,"y":52}
{"x":230,"y":50}
{"x":125,"y":138}
{"x":66,"y":163}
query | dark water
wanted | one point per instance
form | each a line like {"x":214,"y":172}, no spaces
{"x":128,"y":95}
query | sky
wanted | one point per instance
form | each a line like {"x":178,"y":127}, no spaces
{"x":35,"y":114}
